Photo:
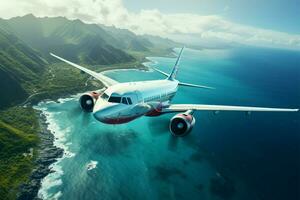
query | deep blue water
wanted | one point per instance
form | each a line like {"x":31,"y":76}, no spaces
{"x":230,"y":155}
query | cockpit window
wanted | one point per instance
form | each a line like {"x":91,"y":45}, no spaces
{"x":104,"y":96}
{"x":114,"y":99}
{"x":129,"y":100}
{"x":124,"y":101}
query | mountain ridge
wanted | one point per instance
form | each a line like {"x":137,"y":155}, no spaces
{"x":18,"y":64}
{"x":60,"y":35}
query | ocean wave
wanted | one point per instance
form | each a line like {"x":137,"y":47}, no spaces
{"x":70,"y":98}
{"x":60,"y":141}
{"x":51,"y":180}
{"x":92,"y":165}
{"x":57,"y":195}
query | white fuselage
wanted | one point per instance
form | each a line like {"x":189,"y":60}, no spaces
{"x":134,"y":99}
{"x":124,"y":102}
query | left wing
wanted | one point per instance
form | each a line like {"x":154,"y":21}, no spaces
{"x":104,"y":79}
{"x":185,"y":107}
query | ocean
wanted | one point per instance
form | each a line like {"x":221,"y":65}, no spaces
{"x":228,"y":155}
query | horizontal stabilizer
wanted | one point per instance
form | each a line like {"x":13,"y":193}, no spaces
{"x":194,"y":85}
{"x":163,"y":73}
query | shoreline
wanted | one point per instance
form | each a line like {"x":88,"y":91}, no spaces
{"x":48,"y":154}
{"x":36,"y":98}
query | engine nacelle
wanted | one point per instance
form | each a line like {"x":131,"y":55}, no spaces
{"x":181,"y":124}
{"x":87,"y":101}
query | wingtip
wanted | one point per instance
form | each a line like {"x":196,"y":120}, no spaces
{"x":208,"y":87}
{"x":293,"y":110}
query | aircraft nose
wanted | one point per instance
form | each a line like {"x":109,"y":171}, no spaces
{"x":103,"y":111}
{"x":101,"y":114}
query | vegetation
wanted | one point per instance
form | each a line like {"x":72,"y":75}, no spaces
{"x":18,"y":142}
{"x":28,"y":74}
{"x":18,"y":64}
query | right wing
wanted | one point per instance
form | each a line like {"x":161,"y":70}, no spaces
{"x":104,"y":79}
{"x":185,"y":107}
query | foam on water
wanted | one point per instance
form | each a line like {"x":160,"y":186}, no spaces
{"x":139,"y":159}
{"x":92,"y":165}
{"x":54,"y":179}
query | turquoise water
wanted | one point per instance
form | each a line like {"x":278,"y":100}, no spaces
{"x":249,"y":156}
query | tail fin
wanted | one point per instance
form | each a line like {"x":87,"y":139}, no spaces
{"x":172,"y":76}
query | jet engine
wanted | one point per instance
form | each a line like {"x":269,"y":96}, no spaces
{"x":181,"y":124}
{"x":87,"y":101}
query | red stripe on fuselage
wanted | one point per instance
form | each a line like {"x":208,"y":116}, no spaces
{"x":120,"y":120}
{"x":155,"y":112}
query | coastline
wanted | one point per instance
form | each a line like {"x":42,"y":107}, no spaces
{"x":48,"y":154}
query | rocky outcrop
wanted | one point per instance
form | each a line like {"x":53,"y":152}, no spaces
{"x":47,"y":154}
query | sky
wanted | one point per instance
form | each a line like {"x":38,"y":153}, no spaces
{"x":268,"y":23}
{"x":280,"y":15}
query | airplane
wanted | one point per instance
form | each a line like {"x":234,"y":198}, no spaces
{"x":119,"y":103}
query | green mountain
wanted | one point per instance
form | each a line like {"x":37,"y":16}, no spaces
{"x":18,"y":139}
{"x":18,"y":64}
{"x":11,"y":90}
{"x":72,"y":39}
{"x":163,"y":43}
{"x":25,"y":43}
{"x":86,"y":43}
{"x":27,"y":69}
{"x":126,"y":39}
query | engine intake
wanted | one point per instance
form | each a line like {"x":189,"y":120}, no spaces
{"x":181,"y":124}
{"x":87,"y":101}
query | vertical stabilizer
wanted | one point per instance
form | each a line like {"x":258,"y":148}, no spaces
{"x":172,"y":76}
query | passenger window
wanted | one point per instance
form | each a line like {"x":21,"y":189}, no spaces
{"x":124,"y":101}
{"x":129,"y":100}
{"x":114,"y":99}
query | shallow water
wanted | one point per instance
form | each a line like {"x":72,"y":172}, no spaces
{"x":226,"y":156}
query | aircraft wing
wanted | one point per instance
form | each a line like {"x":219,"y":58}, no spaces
{"x":163,"y":73}
{"x":185,"y":107}
{"x":104,"y":79}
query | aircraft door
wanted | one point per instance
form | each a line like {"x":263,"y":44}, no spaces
{"x":138,"y":96}
{"x":139,"y":107}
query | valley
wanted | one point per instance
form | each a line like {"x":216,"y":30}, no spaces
{"x":29,"y":75}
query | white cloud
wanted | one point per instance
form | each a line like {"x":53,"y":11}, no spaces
{"x":182,"y":26}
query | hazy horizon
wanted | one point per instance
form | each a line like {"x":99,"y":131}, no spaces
{"x":204,"y":22}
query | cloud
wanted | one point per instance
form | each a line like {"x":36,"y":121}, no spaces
{"x":184,"y":27}
{"x":226,"y":8}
